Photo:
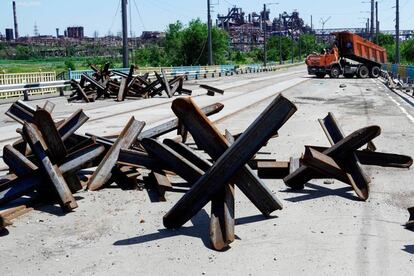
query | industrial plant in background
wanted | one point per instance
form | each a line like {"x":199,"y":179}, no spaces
{"x":247,"y":32}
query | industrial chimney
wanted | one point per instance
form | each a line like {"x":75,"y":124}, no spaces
{"x":16,"y":28}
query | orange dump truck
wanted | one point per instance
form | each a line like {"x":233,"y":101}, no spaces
{"x":351,"y":55}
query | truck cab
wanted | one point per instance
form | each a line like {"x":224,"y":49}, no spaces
{"x":323,"y":63}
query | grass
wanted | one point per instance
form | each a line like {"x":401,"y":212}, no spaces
{"x":58,"y":65}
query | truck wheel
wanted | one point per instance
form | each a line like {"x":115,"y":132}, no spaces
{"x":375,"y":72}
{"x":335,"y":72}
{"x":363,"y":72}
{"x":320,"y":75}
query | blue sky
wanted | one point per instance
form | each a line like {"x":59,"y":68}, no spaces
{"x":100,"y":15}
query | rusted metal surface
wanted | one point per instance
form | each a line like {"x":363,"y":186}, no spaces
{"x":174,"y":123}
{"x":120,"y":86}
{"x":127,"y":137}
{"x":230,"y":162}
{"x":21,"y":112}
{"x":37,"y":144}
{"x":380,"y":159}
{"x":172,"y":160}
{"x":341,"y":151}
{"x":410,"y":222}
{"x":161,"y":183}
{"x":16,"y":187}
{"x":17,"y":162}
{"x":273,"y":169}
{"x":72,"y":123}
{"x":137,"y":159}
{"x":211,"y":91}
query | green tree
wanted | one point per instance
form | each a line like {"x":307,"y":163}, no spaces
{"x":23,"y":52}
{"x":407,"y":50}
{"x":151,"y":55}
{"x":188,"y":45}
{"x":385,"y":39}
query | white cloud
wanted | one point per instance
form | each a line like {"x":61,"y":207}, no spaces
{"x":29,"y":3}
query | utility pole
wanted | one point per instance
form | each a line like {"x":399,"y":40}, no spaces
{"x":125,"y":52}
{"x":16,"y":27}
{"x":265,"y":35}
{"x":293,"y":48}
{"x":210,"y":42}
{"x":397,"y":32}
{"x":377,"y":29}
{"x":280,"y":40}
{"x":372,"y":20}
{"x":300,"y":49}
{"x":311,"y":23}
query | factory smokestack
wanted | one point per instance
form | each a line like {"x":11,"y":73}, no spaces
{"x":16,"y":28}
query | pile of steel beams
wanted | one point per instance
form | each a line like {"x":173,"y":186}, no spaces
{"x":341,"y":161}
{"x":117,"y":85}
{"x":50,"y":159}
{"x":46,"y":163}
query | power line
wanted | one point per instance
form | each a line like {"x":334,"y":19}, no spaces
{"x":139,"y":15}
{"x":114,"y":18}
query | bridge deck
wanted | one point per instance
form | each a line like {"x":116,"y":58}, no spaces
{"x":322,"y":229}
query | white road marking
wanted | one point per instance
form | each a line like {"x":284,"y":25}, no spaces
{"x":411,"y":118}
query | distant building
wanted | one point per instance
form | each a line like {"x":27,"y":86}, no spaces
{"x":9,"y":34}
{"x":74,"y":32}
{"x":147,"y":35}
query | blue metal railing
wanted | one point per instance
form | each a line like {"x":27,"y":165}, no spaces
{"x":76,"y":74}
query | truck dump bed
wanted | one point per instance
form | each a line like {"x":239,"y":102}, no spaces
{"x":356,"y":48}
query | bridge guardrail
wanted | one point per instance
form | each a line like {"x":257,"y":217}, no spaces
{"x":190,"y":72}
{"x":402,"y":72}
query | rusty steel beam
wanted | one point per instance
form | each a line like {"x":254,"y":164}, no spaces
{"x":17,"y":162}
{"x":36,"y":142}
{"x":222,"y":220}
{"x":172,"y":160}
{"x":230,"y":164}
{"x":189,"y":154}
{"x":380,"y":159}
{"x":334,"y":133}
{"x":72,"y":123}
{"x":340,"y":150}
{"x":272,"y":169}
{"x":209,"y":138}
{"x":56,"y":148}
{"x":184,"y":163}
{"x":49,"y":106}
{"x":359,"y":180}
{"x":161,"y":182}
{"x":410,"y":222}
{"x":125,"y":84}
{"x":173,"y":124}
{"x":21,"y":112}
{"x":76,"y":160}
{"x":325,"y":165}
{"x":50,"y":134}
{"x":166,"y":84}
{"x":80,"y":92}
{"x":211,"y":90}
{"x":125,"y":177}
{"x":19,"y":186}
{"x":127,"y":137}
{"x":135,"y":158}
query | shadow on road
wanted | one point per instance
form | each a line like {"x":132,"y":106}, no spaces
{"x":199,"y":229}
{"x":409,"y":249}
{"x":313,"y":191}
